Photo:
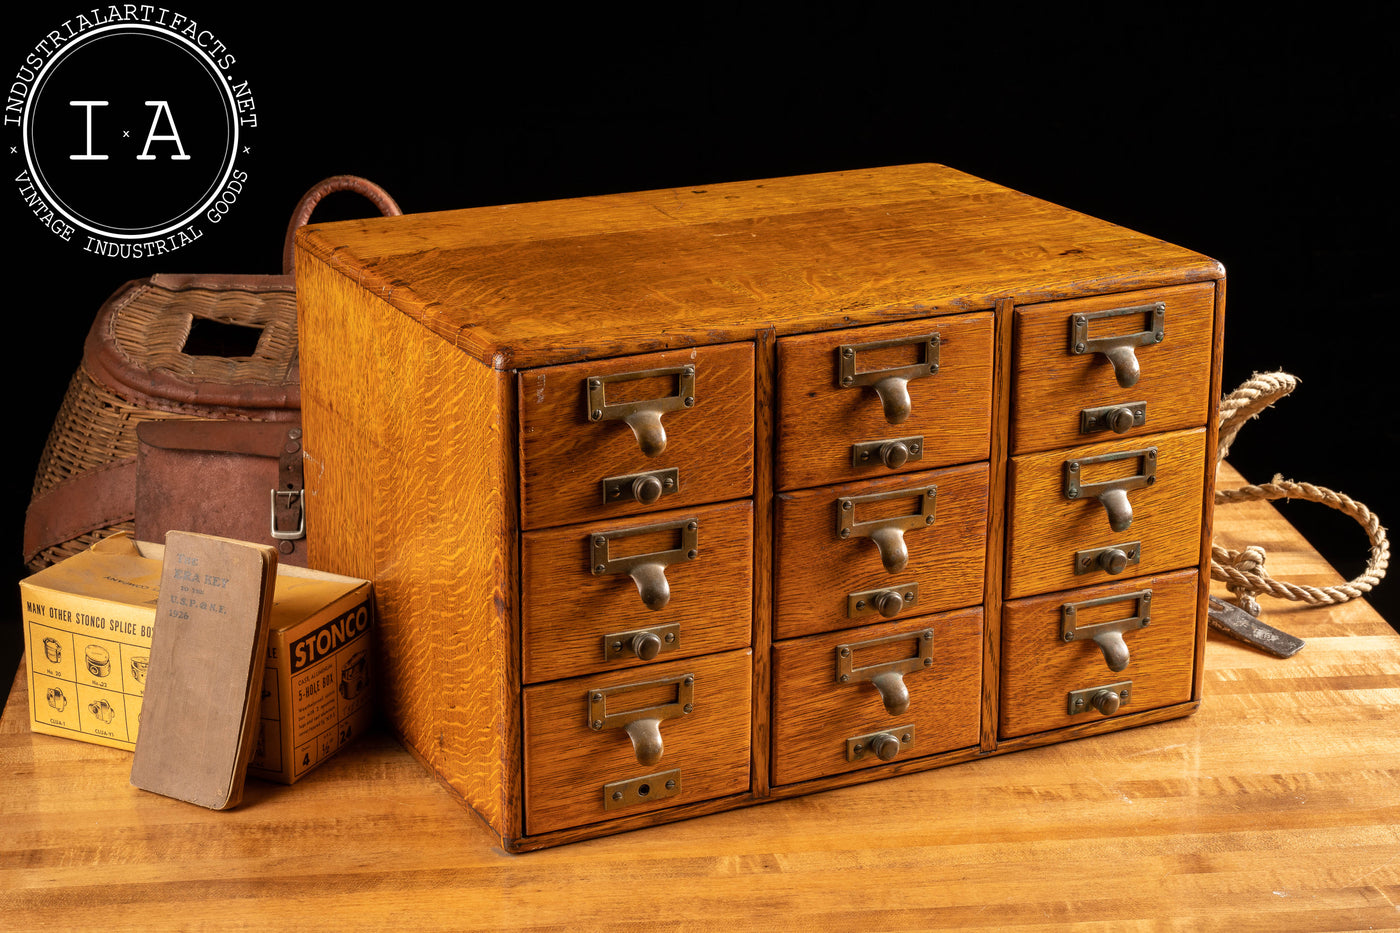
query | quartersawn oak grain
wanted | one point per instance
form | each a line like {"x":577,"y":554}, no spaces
{"x":1039,"y":669}
{"x":566,"y":609}
{"x":514,"y":285}
{"x":819,"y":419}
{"x":1053,"y":385}
{"x":1273,"y":808}
{"x":814,"y":714}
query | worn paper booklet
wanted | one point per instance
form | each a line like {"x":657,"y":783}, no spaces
{"x":206,"y":669}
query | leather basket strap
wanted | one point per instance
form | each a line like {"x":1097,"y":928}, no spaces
{"x":88,"y":501}
{"x":362,"y":186}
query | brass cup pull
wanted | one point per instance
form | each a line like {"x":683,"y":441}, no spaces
{"x":893,"y":692}
{"x":1108,"y":635}
{"x":887,"y":533}
{"x":648,"y":571}
{"x":643,"y":726}
{"x":887,"y":677}
{"x":643,"y":417}
{"x":1112,"y":493}
{"x":646,"y":740}
{"x":1118,"y":349}
{"x":891,"y":385}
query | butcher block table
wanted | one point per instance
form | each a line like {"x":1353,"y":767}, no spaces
{"x":1276,"y":807}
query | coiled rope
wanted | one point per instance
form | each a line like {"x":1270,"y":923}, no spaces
{"x":1243,"y":571}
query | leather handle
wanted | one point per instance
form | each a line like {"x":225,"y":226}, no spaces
{"x":361,"y":186}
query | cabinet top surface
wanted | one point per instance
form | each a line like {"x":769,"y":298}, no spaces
{"x":522,"y":285}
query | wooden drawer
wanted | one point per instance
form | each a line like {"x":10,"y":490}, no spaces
{"x":1055,"y":386}
{"x":1040,"y":668}
{"x":566,"y":454}
{"x":570,"y":766}
{"x":1049,"y":532}
{"x":697,"y":605}
{"x":816,"y":714}
{"x":820,"y":419}
{"x":817,"y":570}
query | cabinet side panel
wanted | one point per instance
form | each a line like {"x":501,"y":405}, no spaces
{"x":414,"y":490}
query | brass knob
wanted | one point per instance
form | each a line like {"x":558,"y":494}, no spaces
{"x":884,"y":746}
{"x":1125,"y":365}
{"x":646,"y":645}
{"x":889,"y":603}
{"x":1113,"y":560}
{"x":894,"y":454}
{"x":1119,"y":420}
{"x":894,"y":397}
{"x":647,"y":489}
{"x":1105,"y":701}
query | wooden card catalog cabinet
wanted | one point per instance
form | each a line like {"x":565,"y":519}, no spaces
{"x":687,"y":500}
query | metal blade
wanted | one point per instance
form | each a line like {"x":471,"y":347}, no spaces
{"x":1235,"y":622}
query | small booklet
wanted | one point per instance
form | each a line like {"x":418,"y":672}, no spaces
{"x":204,"y":682}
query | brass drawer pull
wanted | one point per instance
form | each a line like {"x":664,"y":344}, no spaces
{"x":645,"y":488}
{"x":887,"y":533}
{"x":892,"y":453}
{"x":882,"y":745}
{"x":892,"y":385}
{"x":648,"y":571}
{"x":886,"y":676}
{"x":1119,"y":349}
{"x":644,"y":644}
{"x":1120,"y":419}
{"x":643,"y":417}
{"x":1107,"y":699}
{"x":1108,"y":635}
{"x":1112,"y":493}
{"x":643,"y":726}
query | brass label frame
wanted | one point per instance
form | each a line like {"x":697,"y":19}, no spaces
{"x":596,"y":389}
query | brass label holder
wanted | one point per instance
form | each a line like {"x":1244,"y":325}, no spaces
{"x":1108,"y":635}
{"x":892,"y":385}
{"x":643,"y":726}
{"x":648,"y":571}
{"x":887,"y":533}
{"x":1112,"y":493}
{"x":643,"y":417}
{"x":1119,"y":348}
{"x":887,"y":676}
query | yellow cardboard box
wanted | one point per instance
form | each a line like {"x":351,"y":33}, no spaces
{"x":87,"y":637}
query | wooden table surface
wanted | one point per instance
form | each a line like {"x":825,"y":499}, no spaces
{"x":1276,"y":807}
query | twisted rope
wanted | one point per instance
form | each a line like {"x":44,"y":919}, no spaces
{"x":1243,"y":571}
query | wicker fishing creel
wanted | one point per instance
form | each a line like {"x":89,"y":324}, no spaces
{"x":163,"y":348}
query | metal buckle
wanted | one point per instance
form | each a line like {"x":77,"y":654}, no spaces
{"x":296,"y":498}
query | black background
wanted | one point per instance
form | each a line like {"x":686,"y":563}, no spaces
{"x":1263,"y":141}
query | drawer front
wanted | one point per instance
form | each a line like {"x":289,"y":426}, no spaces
{"x":1040,"y":669}
{"x":1064,"y":397}
{"x":918,"y":681}
{"x":818,"y":571}
{"x":650,"y":602}
{"x":821,"y":417}
{"x":1056,"y":542}
{"x":576,"y":774}
{"x":584,"y":423}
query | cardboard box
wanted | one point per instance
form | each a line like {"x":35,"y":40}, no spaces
{"x":87,"y":635}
